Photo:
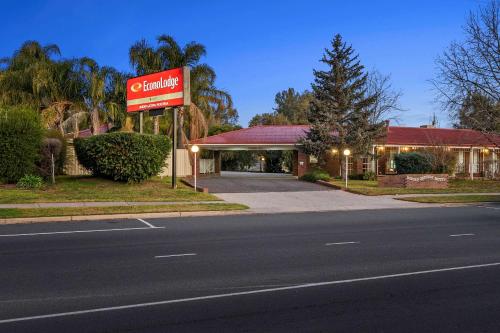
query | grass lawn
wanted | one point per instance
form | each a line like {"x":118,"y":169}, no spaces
{"x":73,"y":211}
{"x":367,"y":187}
{"x":455,"y":198}
{"x":86,"y":188}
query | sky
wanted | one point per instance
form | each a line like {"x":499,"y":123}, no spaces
{"x":257,"y":48}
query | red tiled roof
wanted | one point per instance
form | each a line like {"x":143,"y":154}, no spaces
{"x":439,"y":136}
{"x":86,"y":132}
{"x":290,"y":134}
{"x":264,"y":135}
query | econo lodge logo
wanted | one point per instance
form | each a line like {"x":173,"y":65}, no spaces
{"x":136,"y":87}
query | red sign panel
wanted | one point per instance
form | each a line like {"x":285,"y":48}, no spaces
{"x":158,"y":90}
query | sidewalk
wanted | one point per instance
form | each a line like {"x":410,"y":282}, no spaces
{"x":105,"y":204}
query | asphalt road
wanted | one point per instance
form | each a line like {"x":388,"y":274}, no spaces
{"x":409,"y":270}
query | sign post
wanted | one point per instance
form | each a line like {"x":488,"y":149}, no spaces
{"x":167,"y":89}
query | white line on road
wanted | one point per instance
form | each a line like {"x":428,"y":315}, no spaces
{"x":242,"y":293}
{"x":341,"y":243}
{"x":146,"y":223}
{"x":461,"y":235}
{"x":77,"y":231}
{"x":176,"y":255}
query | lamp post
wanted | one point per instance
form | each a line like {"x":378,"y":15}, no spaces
{"x":262,"y":159}
{"x":195,"y":149}
{"x":347,"y":152}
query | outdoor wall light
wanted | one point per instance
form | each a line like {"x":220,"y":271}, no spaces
{"x":335,"y":151}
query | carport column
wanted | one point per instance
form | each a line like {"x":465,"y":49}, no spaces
{"x":217,"y":162}
{"x":300,"y":163}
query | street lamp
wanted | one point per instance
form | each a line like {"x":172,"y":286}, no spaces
{"x":195,"y":149}
{"x":347,"y":152}
{"x":262,"y":159}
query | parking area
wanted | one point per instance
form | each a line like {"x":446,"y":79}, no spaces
{"x":254,"y":182}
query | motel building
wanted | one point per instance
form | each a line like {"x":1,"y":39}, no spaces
{"x":477,"y":153}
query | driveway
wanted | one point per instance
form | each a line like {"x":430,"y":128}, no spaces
{"x":252,"y":182}
{"x":273,"y":193}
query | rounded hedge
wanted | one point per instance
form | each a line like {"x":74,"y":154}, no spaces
{"x":128,"y":157}
{"x":20,"y":139}
{"x":412,"y":163}
{"x":315,"y":175}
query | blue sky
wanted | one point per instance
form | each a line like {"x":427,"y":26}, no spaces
{"x":256,"y":47}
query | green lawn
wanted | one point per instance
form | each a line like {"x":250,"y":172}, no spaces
{"x":86,"y":188}
{"x":74,"y":211}
{"x":455,"y":198}
{"x":455,"y":186}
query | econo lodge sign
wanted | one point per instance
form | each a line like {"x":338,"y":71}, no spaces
{"x":159,"y":90}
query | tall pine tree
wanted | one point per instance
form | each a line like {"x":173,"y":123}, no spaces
{"x":341,"y":107}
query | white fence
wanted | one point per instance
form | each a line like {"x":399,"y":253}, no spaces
{"x":207,"y":165}
{"x":183,"y":164}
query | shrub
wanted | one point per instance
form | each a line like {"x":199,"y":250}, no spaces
{"x":29,"y":182}
{"x":50,"y":147}
{"x":413,"y":162}
{"x":61,"y":158}
{"x":129,"y":157}
{"x":369,"y":175}
{"x":314,"y":175}
{"x":441,"y":159}
{"x":20,"y":139}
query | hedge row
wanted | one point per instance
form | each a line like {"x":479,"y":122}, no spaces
{"x":20,"y":140}
{"x":128,"y":157}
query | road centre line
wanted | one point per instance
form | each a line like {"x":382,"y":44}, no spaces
{"x":146,"y":223}
{"x":251,"y":292}
{"x":461,"y":235}
{"x":78,"y":231}
{"x":176,"y":255}
{"x":341,"y":243}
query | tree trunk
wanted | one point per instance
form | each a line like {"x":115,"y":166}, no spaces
{"x":180,"y":129}
{"x":94,"y":121}
{"x":156,"y":125}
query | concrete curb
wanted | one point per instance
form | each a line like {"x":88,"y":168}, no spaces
{"x":327,"y":184}
{"x":81,"y":218}
{"x":198,"y":189}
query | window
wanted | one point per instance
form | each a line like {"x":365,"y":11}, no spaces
{"x":366,"y":164}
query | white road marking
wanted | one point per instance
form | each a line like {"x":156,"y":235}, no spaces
{"x":176,"y":255}
{"x":460,"y":235}
{"x":146,"y":223}
{"x":77,"y":231}
{"x":242,"y":293}
{"x":341,"y":243}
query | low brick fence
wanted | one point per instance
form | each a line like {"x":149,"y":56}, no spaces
{"x":414,"y":181}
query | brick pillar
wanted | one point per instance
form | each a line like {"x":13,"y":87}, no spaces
{"x":217,"y":162}
{"x":300,"y":163}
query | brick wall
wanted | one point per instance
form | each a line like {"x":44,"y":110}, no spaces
{"x":414,"y":181}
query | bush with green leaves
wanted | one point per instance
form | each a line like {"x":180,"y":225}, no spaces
{"x":414,"y":162}
{"x":20,"y":139}
{"x":369,"y":175}
{"x":314,"y":175}
{"x":61,"y":157}
{"x":30,"y":182}
{"x":127,"y":157}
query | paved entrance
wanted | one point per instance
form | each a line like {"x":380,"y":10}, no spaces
{"x":251,"y":182}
